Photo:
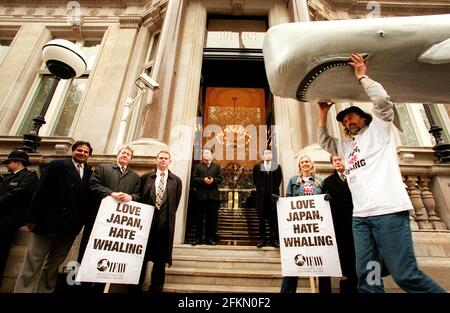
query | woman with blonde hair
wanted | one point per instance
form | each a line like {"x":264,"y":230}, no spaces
{"x":305,"y":183}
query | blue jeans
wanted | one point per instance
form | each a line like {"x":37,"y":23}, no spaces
{"x":388,"y":237}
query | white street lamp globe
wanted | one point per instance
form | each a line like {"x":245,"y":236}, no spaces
{"x":64,"y":59}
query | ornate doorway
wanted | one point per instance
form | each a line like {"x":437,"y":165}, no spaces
{"x":234,"y":116}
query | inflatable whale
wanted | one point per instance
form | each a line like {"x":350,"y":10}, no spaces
{"x":409,"y":56}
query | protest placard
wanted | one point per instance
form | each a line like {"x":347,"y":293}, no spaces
{"x":116,"y":247}
{"x":307,"y":240}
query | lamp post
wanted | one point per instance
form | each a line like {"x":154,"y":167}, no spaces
{"x":441,"y":149}
{"x":65,"y":60}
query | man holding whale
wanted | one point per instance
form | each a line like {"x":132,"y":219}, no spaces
{"x":381,"y":226}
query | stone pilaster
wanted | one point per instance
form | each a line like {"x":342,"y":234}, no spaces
{"x":185,"y":102}
{"x":18,"y":71}
{"x":102,"y":100}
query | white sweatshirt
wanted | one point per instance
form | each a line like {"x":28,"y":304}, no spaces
{"x":371,"y":162}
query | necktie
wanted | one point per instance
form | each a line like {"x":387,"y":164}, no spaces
{"x":343,"y":177}
{"x":122,"y":169}
{"x":160,"y":191}
{"x":267,"y":165}
{"x":80,"y":172}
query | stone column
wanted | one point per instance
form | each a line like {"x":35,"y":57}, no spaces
{"x":18,"y":71}
{"x":295,"y":121}
{"x":429,"y":203}
{"x":419,"y":208}
{"x":185,"y":102}
{"x":301,"y":12}
{"x":154,"y":129}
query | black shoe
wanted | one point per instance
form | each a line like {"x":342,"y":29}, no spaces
{"x":276,"y":244}
{"x":210,"y":242}
{"x":261,"y":244}
{"x":194,"y":242}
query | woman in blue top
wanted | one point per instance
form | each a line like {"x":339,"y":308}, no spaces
{"x":306,"y":183}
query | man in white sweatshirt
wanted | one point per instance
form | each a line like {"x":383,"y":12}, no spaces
{"x":381,"y":226}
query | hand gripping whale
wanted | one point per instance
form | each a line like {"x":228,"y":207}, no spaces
{"x":409,"y":56}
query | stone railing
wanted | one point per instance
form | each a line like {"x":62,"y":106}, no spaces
{"x":425,"y":215}
{"x":428,"y":185}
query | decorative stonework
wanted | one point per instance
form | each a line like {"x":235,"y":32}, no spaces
{"x":93,"y":12}
{"x":156,"y":16}
{"x":118,"y":12}
{"x":130,"y":21}
{"x":30,"y":11}
{"x":50,"y":11}
{"x":9,"y":11}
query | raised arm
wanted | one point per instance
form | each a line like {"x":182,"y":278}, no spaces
{"x":326,"y":141}
{"x":383,"y":107}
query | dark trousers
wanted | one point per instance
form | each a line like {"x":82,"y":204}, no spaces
{"x":267,"y":212}
{"x":157,"y":280}
{"x":207,"y":211}
{"x":6,"y":238}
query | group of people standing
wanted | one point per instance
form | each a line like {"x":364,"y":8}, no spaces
{"x":369,"y":208}
{"x":67,"y":197}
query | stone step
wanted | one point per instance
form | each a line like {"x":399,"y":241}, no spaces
{"x":226,"y":251}
{"x":190,"y":288}
{"x":238,"y":219}
{"x":239,"y":226}
{"x":236,"y":263}
{"x":199,"y":276}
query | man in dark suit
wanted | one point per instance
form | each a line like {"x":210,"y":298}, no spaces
{"x":341,"y":210}
{"x":56,"y":216}
{"x":162,"y":189}
{"x":206,"y":178}
{"x":267,"y":178}
{"x":116,"y":180}
{"x":16,"y":191}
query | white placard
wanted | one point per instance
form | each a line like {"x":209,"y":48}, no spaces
{"x":116,"y":247}
{"x":307,"y":241}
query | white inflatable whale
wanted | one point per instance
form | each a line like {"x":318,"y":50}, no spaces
{"x":409,"y":56}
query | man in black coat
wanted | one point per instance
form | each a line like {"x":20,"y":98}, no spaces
{"x":58,"y":211}
{"x":341,"y":206}
{"x":206,"y":178}
{"x":162,"y":189}
{"x":267,"y":177}
{"x":116,"y":180}
{"x":16,"y":191}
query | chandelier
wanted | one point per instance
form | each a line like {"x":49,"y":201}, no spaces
{"x":234,"y":135}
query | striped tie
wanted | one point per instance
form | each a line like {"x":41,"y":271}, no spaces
{"x":160,"y":192}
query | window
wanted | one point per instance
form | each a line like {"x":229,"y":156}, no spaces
{"x":151,"y":53}
{"x":415,"y":125}
{"x":139,"y":106}
{"x":65,"y":101}
{"x":4,"y":47}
